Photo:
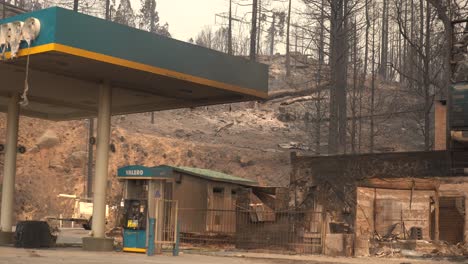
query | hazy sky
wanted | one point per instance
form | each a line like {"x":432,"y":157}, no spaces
{"x":187,"y":17}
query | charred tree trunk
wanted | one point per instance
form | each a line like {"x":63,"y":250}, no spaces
{"x":364,"y":74}
{"x":153,"y":17}
{"x":405,"y":45}
{"x":338,"y":68}
{"x":107,"y":9}
{"x":427,"y":96}
{"x":321,"y":61}
{"x":272,"y":35}
{"x":288,"y":55}
{"x":259,"y":31}
{"x":342,"y":81}
{"x":230,"y":29}
{"x":253,"y":31}
{"x":372,"y":133}
{"x":384,"y":44}
{"x":354,"y":97}
{"x":75,"y":5}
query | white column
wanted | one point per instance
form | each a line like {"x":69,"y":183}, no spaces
{"x":9,"y":168}
{"x":102,"y":160}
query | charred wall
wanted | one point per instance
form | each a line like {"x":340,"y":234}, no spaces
{"x":330,"y":181}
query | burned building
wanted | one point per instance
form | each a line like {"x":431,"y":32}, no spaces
{"x":382,"y":197}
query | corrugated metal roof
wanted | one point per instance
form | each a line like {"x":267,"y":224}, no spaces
{"x":215,"y":175}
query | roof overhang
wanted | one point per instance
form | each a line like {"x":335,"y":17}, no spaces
{"x":74,"y":53}
{"x":139,"y":172}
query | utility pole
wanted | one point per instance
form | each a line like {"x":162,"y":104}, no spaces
{"x":75,"y":5}
{"x":253,"y":31}
{"x":230,"y":29}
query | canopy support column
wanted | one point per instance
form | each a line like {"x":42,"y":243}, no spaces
{"x":9,"y":172}
{"x":99,"y":242}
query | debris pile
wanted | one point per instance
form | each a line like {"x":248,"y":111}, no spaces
{"x":443,"y":249}
{"x":418,"y":249}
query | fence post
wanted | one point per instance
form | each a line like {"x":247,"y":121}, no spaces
{"x":150,"y":248}
{"x":324,"y":231}
{"x":175,"y":251}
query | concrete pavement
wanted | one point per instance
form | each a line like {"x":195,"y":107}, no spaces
{"x":78,"y":256}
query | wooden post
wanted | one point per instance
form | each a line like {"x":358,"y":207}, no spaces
{"x":437,"y":209}
{"x":175,"y":251}
{"x":374,"y":212}
{"x":324,"y":230}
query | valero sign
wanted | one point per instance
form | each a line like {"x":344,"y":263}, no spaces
{"x":138,"y":171}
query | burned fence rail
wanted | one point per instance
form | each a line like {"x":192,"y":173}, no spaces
{"x":287,"y":231}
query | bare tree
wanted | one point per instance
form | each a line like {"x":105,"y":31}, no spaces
{"x":205,"y":38}
{"x":288,"y":55}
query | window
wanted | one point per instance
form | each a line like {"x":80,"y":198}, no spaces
{"x":218,"y":190}
{"x":178,"y":178}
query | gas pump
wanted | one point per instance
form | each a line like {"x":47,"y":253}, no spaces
{"x":142,"y":187}
{"x":135,"y":222}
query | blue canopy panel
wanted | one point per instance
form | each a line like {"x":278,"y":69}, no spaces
{"x":74,"y":53}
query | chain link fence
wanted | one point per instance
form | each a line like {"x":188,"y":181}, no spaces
{"x":253,"y":229}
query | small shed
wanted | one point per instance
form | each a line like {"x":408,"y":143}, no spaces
{"x":206,"y":198}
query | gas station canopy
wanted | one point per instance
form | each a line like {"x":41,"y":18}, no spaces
{"x":74,"y":53}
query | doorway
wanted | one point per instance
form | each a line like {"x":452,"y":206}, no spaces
{"x":451,"y":219}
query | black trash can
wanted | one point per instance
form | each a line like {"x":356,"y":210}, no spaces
{"x":33,"y":234}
